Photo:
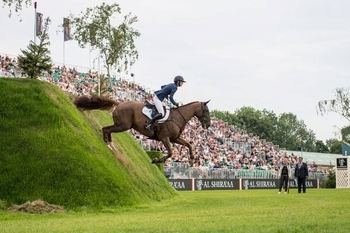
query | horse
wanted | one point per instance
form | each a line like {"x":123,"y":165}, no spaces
{"x":128,"y":114}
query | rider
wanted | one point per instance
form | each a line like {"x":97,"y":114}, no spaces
{"x":166,"y":91}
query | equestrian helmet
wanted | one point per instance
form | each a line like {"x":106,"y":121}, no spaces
{"x":179,"y":79}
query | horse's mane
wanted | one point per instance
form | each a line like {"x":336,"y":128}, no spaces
{"x":189,"y":103}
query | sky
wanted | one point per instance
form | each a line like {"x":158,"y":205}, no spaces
{"x":283,"y":56}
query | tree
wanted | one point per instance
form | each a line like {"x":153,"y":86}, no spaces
{"x":101,"y":89}
{"x":36,"y":58}
{"x":16,"y":4}
{"x":271,"y":123}
{"x":331,"y":180}
{"x":285,"y":130}
{"x":339,"y":105}
{"x":334,"y":145}
{"x":257,"y":122}
{"x":293,"y":133}
{"x":226,"y":116}
{"x":116,"y":45}
{"x":336,"y":148}
{"x":321,"y":147}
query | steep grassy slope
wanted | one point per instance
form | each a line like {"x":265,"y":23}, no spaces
{"x":51,"y":151}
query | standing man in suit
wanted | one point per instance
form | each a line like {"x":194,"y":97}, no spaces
{"x":301,"y":173}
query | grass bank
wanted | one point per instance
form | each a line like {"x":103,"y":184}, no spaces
{"x":53,"y":152}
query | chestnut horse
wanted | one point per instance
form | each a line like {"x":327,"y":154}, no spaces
{"x":127,"y":115}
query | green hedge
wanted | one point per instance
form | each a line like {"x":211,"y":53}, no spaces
{"x":156,"y":154}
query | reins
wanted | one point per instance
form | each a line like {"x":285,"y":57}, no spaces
{"x":186,"y":122}
{"x":173,"y":119}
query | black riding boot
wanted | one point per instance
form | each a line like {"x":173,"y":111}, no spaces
{"x":156,"y":117}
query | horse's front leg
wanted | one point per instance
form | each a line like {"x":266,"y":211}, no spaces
{"x":182,"y":141}
{"x":166,"y":143}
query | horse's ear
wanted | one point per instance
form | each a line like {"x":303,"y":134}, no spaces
{"x":205,"y":103}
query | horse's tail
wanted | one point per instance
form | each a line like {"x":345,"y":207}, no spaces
{"x":94,"y":102}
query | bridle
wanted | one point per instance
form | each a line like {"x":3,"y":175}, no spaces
{"x":202,"y":117}
{"x":199,"y":112}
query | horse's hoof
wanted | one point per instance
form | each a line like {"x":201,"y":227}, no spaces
{"x":113,"y":146}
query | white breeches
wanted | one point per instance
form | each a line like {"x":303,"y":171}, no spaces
{"x":158,"y":104}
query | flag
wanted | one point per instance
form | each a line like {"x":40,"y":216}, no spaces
{"x":66,"y":30}
{"x":39,"y":24}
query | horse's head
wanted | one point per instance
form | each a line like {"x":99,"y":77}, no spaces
{"x":203,"y":115}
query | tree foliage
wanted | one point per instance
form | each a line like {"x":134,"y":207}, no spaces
{"x":16,"y":5}
{"x":102,"y":89}
{"x":285,"y":130}
{"x":334,"y":145}
{"x":339,"y":105}
{"x":116,"y":44}
{"x":293,"y":133}
{"x":36,"y":58}
{"x":226,"y":116}
{"x":321,"y":147}
{"x":331,"y":180}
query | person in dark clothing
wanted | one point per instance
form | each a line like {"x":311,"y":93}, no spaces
{"x":301,"y":173}
{"x":166,"y":91}
{"x":284,"y":174}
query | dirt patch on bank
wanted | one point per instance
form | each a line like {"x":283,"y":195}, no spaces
{"x":37,"y":207}
{"x":120,"y":156}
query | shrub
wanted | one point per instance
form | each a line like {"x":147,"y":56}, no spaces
{"x":330,"y":182}
{"x":2,"y":205}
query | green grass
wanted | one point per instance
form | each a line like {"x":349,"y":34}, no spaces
{"x":319,"y":210}
{"x":53,"y":152}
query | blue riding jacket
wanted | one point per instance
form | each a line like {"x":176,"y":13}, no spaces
{"x":167,"y":91}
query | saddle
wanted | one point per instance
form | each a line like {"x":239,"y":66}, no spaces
{"x":150,"y":110}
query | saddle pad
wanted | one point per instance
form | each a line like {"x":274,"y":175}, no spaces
{"x":148,"y":113}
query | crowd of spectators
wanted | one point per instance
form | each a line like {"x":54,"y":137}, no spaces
{"x":7,"y":66}
{"x":221,"y":146}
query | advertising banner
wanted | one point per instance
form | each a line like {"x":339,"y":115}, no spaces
{"x":181,"y":184}
{"x":216,"y":184}
{"x":234,"y":184}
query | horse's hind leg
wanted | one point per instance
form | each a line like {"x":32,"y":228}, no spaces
{"x":106,"y":131}
{"x":113,"y":129}
{"x":106,"y":134}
